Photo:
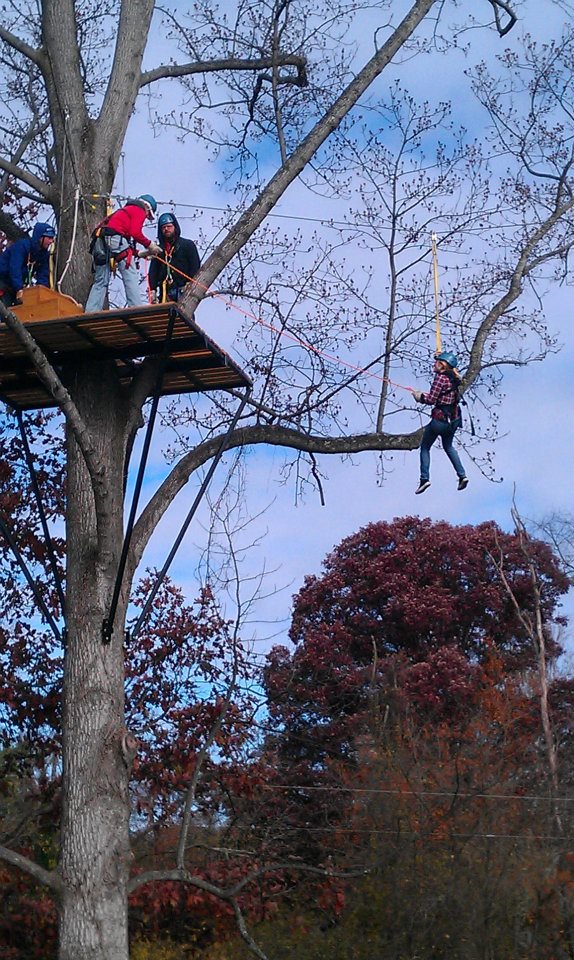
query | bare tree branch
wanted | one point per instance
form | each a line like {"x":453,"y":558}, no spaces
{"x":248,"y":222}
{"x":47,"y":878}
{"x":35,"y":56}
{"x":44,"y":189}
{"x":272,"y":434}
{"x":534,"y":628}
{"x":228,"y":64}
{"x":525,"y":265}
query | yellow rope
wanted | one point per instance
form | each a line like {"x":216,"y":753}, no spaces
{"x":434,"y":239}
{"x":51,"y":266}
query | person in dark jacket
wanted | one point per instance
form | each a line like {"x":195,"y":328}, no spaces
{"x":445,"y":418}
{"x":121,"y":232}
{"x":26,"y":260}
{"x":167,"y":279}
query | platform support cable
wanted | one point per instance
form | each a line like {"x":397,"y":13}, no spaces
{"x":108,"y":624}
{"x":133,"y":633}
{"x":42,"y":513}
{"x":30,"y":580}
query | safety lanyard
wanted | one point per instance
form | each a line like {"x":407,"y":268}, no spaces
{"x":30,"y":267}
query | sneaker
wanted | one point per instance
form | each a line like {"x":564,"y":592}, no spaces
{"x":423,"y":485}
{"x":462,"y":483}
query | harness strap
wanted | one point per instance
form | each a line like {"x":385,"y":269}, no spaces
{"x":30,"y":264}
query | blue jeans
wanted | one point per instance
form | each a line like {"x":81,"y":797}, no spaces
{"x":446,"y":431}
{"x":130,"y":278}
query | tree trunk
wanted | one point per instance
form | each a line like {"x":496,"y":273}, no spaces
{"x":95,"y":807}
{"x":78,"y":218}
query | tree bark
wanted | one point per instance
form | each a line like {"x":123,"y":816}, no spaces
{"x":95,"y":856}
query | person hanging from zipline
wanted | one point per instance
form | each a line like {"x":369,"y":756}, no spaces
{"x":443,"y":397}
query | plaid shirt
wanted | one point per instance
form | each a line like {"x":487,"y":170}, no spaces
{"x":441,"y":392}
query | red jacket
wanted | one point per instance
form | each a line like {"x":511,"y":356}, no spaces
{"x":128,"y":221}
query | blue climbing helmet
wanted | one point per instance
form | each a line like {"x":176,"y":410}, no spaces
{"x":448,"y":357}
{"x":162,"y":220}
{"x":151,"y":201}
{"x":42,"y":230}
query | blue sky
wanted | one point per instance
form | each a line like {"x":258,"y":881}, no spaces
{"x":533,"y":456}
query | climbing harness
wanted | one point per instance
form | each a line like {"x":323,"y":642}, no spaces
{"x":168,"y":280}
{"x":98,"y":247}
{"x":100,"y":251}
{"x":451,"y":410}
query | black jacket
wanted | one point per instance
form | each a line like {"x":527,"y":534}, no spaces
{"x":182,"y":256}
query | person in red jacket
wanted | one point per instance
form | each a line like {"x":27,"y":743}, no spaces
{"x":119,"y":236}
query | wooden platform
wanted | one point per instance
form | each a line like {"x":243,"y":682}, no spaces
{"x":195,"y":363}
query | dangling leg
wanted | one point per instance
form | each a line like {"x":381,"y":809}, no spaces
{"x":429,"y":437}
{"x":452,"y":454}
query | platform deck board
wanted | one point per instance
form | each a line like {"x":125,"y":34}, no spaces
{"x":127,"y":337}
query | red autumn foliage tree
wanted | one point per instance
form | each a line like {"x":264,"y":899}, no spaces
{"x":406,"y":740}
{"x":403,"y":623}
{"x":410,"y":597}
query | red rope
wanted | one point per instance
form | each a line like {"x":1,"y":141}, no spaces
{"x":291,"y":336}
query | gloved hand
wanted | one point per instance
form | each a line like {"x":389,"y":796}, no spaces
{"x":154,"y":250}
{"x":19,"y":296}
{"x":153,"y":297}
{"x":417,"y":395}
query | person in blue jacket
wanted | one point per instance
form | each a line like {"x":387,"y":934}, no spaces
{"x":26,"y":260}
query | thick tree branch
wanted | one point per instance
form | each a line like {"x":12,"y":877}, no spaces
{"x":230,"y":64}
{"x":35,"y":56}
{"x":248,"y":222}
{"x":272,"y":434}
{"x":133,"y":28}
{"x":229,"y":893}
{"x":44,"y":189}
{"x":244,"y":932}
{"x":46,"y":877}
{"x":525,"y":265}
{"x":9,"y":227}
{"x":62,"y":74}
{"x":497,"y":6}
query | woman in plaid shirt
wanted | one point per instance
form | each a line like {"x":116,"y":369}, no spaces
{"x":445,"y":418}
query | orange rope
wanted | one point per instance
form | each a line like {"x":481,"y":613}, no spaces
{"x":290,"y":336}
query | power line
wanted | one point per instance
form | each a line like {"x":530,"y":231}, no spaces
{"x":397,"y":791}
{"x":324,"y":221}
